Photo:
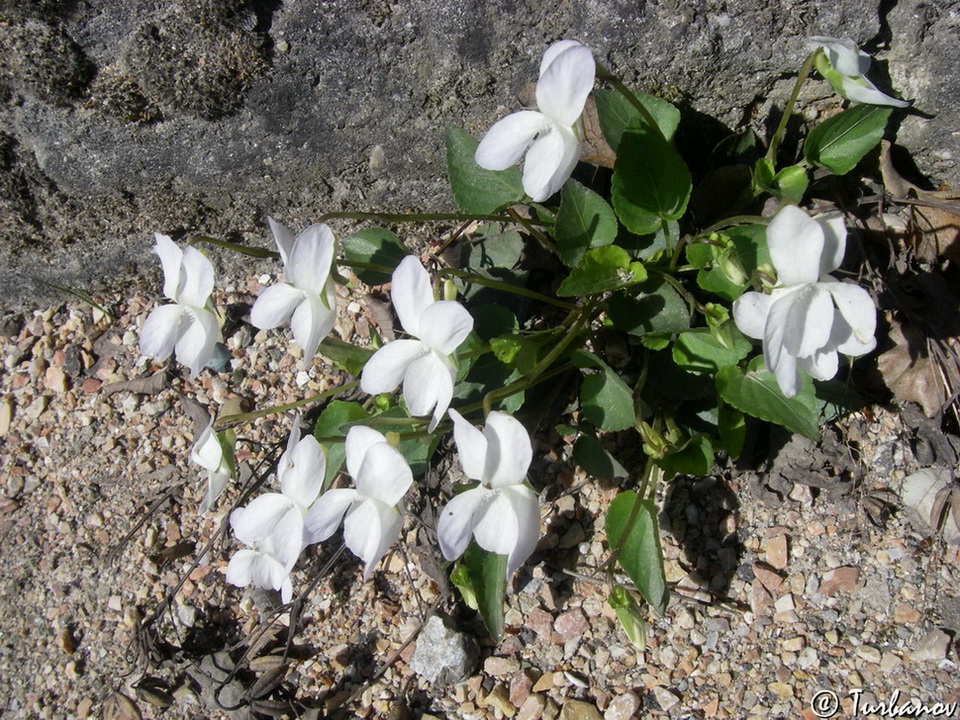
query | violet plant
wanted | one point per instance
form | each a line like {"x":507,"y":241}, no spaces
{"x":686,"y":284}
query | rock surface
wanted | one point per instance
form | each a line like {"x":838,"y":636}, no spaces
{"x":118,"y":119}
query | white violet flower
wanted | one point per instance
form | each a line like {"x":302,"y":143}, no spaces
{"x":551,"y":137}
{"x":187,"y":327}
{"x":279,"y":519}
{"x":261,"y":566}
{"x":423,"y":364}
{"x":370,"y":516}
{"x":214,"y":452}
{"x":810,"y":316}
{"x":845,"y":66}
{"x":307,"y":299}
{"x":502,"y":513}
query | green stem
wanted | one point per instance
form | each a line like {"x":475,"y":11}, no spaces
{"x":788,"y":110}
{"x":231,"y":420}
{"x":692,"y":302}
{"x":505,"y":287}
{"x":736,"y":220}
{"x":418,"y":217}
{"x":604,"y":74}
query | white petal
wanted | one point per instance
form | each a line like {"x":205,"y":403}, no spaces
{"x":565,"y":83}
{"x":311,"y":323}
{"x":195,"y":347}
{"x":259,"y":519}
{"x":525,"y":505}
{"x":550,"y":54}
{"x":386,"y":368}
{"x":161,"y":331}
{"x":369,"y":530}
{"x":275,"y":305}
{"x":171,"y":257}
{"x":196,"y":278}
{"x":360,"y":438}
{"x":508,"y":139}
{"x":821,"y":365}
{"x":550,"y":162}
{"x":750,"y":312}
{"x":786,"y":373}
{"x":807,"y":316}
{"x":857,"y":308}
{"x":861,"y":90}
{"x":311,"y":259}
{"x":778,"y":361}
{"x":844,"y":55}
{"x":834,"y":241}
{"x":496,"y":526}
{"x":216,"y":482}
{"x":411,"y":293}
{"x":303,"y":477}
{"x":284,"y":239}
{"x":258,"y":568}
{"x":456,"y":522}
{"x":844,"y":341}
{"x":509,"y":451}
{"x":471,"y":446}
{"x":207,"y":451}
{"x":326,"y":514}
{"x":384,"y":474}
{"x":795,"y":241}
{"x":445,"y":325}
{"x":428,"y":384}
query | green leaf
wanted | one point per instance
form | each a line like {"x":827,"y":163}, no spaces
{"x":490,"y":320}
{"x":651,"y":182}
{"x":632,"y":526}
{"x":616,"y":113}
{"x":589,"y":454}
{"x":699,"y":351}
{"x":694,"y":457}
{"x":655,"y":307}
{"x":476,"y":190}
{"x":629,"y":615}
{"x":494,"y":250}
{"x":345,"y":356}
{"x":377,"y":246}
{"x":330,"y":424}
{"x":756,"y":393}
{"x":602,"y":269}
{"x":791,"y":183}
{"x":584,"y":221}
{"x":488,"y":579}
{"x":840,"y":142}
{"x":732,"y":427}
{"x":606,"y":400}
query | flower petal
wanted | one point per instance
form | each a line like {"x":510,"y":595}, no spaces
{"x":303,"y":477}
{"x":822,"y":365}
{"x":327,"y":513}
{"x":384,"y":474}
{"x":216,"y":482}
{"x":445,"y":325}
{"x":750,"y":312}
{"x":565,"y":83}
{"x":526,"y":506}
{"x":411,"y":293}
{"x":428,"y":386}
{"x":360,"y":438}
{"x":161,"y":331}
{"x":195,"y":346}
{"x":284,"y":239}
{"x":207,"y":451}
{"x":311,"y":323}
{"x":509,"y":451}
{"x":369,"y":530}
{"x":844,"y":341}
{"x":496,"y":526}
{"x":807,"y":316}
{"x":457,"y":520}
{"x":275,"y":305}
{"x":861,"y":90}
{"x":550,"y":162}
{"x":786,"y":373}
{"x":311,"y":259}
{"x":834,"y":241}
{"x":796,"y":244}
{"x":550,"y":54}
{"x":386,"y":368}
{"x":258,"y":520}
{"x":471,"y":446}
{"x":843,"y":54}
{"x":508,"y":139}
{"x":171,"y":257}
{"x":857,"y":308}
{"x":196,"y":278}
{"x":255,"y":567}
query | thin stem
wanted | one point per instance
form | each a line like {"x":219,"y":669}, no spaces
{"x":505,"y":287}
{"x":604,"y":74}
{"x":418,"y":217}
{"x":788,"y":109}
{"x":736,"y":220}
{"x":231,"y":420}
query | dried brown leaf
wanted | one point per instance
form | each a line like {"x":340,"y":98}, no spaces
{"x":909,"y":371}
